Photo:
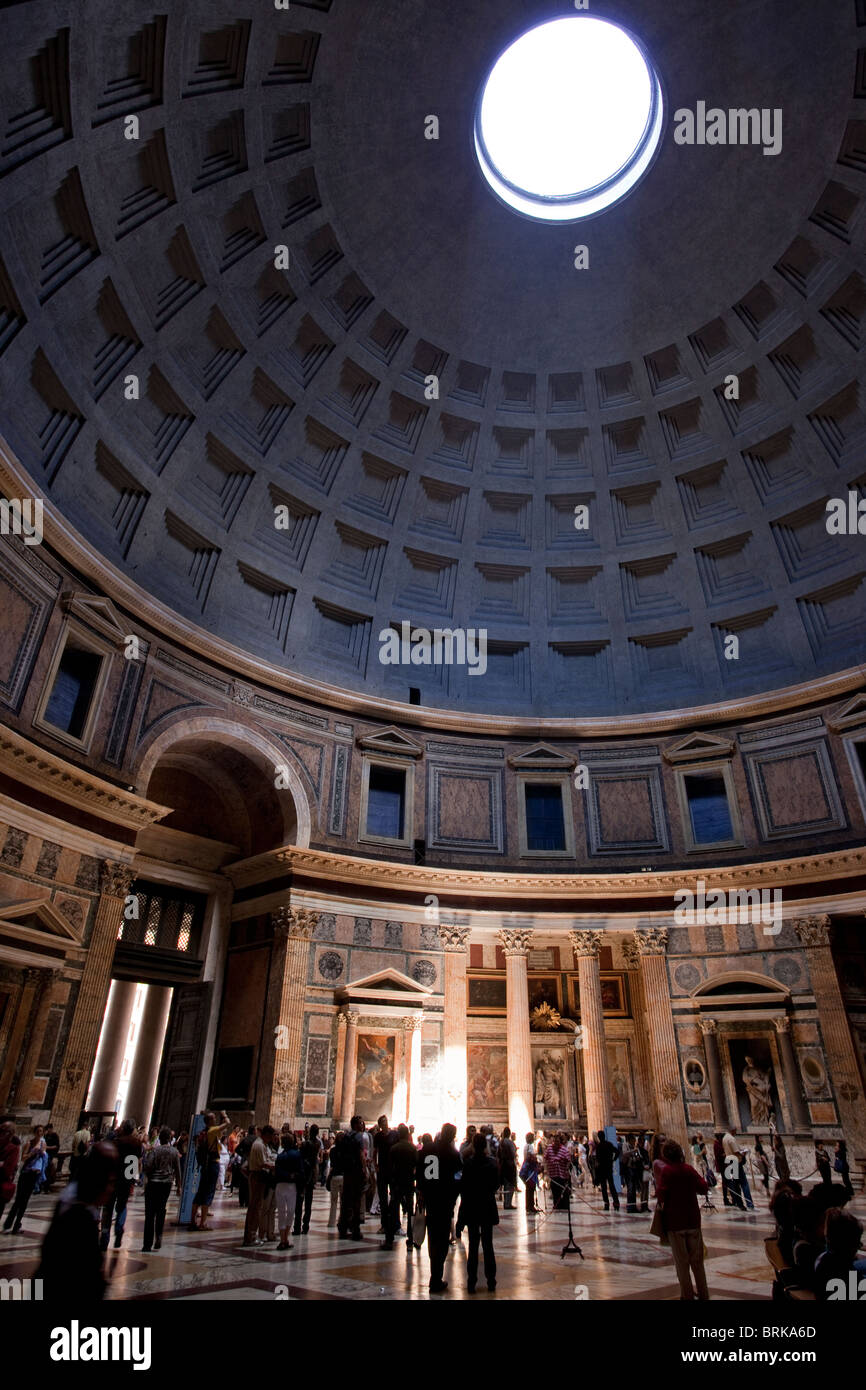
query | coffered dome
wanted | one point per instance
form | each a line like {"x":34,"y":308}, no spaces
{"x":304,"y":395}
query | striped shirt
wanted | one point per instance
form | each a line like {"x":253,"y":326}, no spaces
{"x":557,"y":1161}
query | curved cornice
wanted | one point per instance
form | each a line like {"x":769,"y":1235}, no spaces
{"x":447,"y":883}
{"x":45,"y":772}
{"x":15,"y":481}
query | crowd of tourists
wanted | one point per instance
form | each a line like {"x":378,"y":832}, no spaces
{"x":421,"y":1189}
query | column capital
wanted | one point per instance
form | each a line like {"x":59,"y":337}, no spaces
{"x":349,"y":1017}
{"x":813,"y":931}
{"x":516,"y":941}
{"x":299,"y":922}
{"x":116,"y":879}
{"x":454,"y":938}
{"x":708,"y":1025}
{"x":412,"y":1022}
{"x":652,"y":941}
{"x":585,"y":943}
{"x":631,"y":953}
{"x":783,"y":1024}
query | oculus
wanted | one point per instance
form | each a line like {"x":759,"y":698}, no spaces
{"x":569,"y":119}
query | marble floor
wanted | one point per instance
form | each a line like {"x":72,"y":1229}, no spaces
{"x":622,"y":1261}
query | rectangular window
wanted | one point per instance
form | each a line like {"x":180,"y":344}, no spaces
{"x":386,"y":803}
{"x":709,"y":810}
{"x":545,"y":824}
{"x":72,"y":692}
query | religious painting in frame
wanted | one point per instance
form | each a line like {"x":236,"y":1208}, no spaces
{"x":620,"y":1077}
{"x":486,"y":1076}
{"x":374,"y":1075}
{"x":544,"y":989}
{"x":485,"y":994}
{"x":613,"y":996}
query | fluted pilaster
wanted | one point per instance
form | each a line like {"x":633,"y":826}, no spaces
{"x":652,"y":944}
{"x":815,"y":936}
{"x":279,"y":1074}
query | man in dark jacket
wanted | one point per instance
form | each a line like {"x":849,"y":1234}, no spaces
{"x":72,"y":1257}
{"x":439,"y":1181}
{"x":349,"y":1224}
{"x":631,"y":1168}
{"x":402,"y":1162}
{"x":384,"y":1140}
{"x":478,"y":1184}
{"x":606,"y":1155}
{"x":311,"y":1153}
{"x":129,"y":1150}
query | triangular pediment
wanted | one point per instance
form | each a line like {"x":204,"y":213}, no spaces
{"x":96,"y":612}
{"x":389,"y":980}
{"x":852,"y":713}
{"x":699,"y":745}
{"x":35,"y":918}
{"x":541,"y":755}
{"x":392,"y":741}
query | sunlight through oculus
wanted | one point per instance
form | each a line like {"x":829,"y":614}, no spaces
{"x":569,"y":119}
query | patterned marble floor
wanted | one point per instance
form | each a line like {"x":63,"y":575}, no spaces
{"x":622,"y":1260}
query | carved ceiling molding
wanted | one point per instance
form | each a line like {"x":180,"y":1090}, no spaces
{"x":445,"y":882}
{"x":92,"y":565}
{"x":45,"y":772}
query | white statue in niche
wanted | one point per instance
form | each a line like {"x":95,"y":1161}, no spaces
{"x":757,"y":1084}
{"x":548,"y":1082}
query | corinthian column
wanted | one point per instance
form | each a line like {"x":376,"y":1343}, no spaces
{"x":455,"y":944}
{"x":515,"y":943}
{"x":115,"y":884}
{"x":799,"y":1113}
{"x":714,"y":1072}
{"x":349,"y":1021}
{"x":279,"y":1072}
{"x":814,"y":934}
{"x":652,"y":945}
{"x":593,"y":1046}
{"x":412,"y":1064}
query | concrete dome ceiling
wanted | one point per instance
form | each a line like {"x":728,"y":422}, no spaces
{"x":304,"y":388}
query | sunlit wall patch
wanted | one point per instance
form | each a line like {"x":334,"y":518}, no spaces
{"x":569,"y":119}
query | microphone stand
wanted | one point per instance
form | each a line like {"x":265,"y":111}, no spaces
{"x":571,"y":1244}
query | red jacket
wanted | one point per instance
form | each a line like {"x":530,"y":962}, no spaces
{"x":9,"y":1156}
{"x":677,"y":1188}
